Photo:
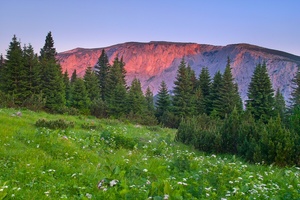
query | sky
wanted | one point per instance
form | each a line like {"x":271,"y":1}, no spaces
{"x":100,"y":23}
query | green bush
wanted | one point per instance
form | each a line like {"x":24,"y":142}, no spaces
{"x":54,"y":124}
{"x":201,"y":132}
{"x":118,"y":141}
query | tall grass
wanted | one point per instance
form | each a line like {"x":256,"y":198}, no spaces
{"x":106,"y":159}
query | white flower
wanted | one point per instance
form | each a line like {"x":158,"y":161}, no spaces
{"x":89,"y":196}
{"x":145,"y":170}
{"x":166,"y":197}
{"x":148,"y":182}
{"x":113,"y":182}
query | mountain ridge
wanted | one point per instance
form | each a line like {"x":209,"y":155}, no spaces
{"x":155,"y":61}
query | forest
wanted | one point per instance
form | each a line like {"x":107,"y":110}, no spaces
{"x":207,"y":111}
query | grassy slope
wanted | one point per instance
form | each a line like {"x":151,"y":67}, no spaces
{"x":39,"y":163}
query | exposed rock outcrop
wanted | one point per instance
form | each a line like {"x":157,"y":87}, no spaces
{"x":156,"y":61}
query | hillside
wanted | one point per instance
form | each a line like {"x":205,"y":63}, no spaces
{"x":106,"y":159}
{"x":156,"y":61}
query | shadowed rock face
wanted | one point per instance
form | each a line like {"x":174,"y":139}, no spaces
{"x":156,"y":61}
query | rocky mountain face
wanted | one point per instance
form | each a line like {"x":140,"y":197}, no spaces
{"x":154,"y":62}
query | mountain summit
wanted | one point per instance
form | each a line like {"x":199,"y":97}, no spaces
{"x":156,"y":61}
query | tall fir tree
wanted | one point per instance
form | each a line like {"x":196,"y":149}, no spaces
{"x":1,"y":67}
{"x":92,"y":84}
{"x":67,"y":88}
{"x":80,"y":99}
{"x":260,"y":94}
{"x":215,"y":95}
{"x":204,"y":85}
{"x":73,"y":77}
{"x":295,"y":96}
{"x":51,"y":77}
{"x":183,"y":99}
{"x":31,"y":64}
{"x":229,"y":96}
{"x":163,"y":103}
{"x":102,"y":69}
{"x":117,"y":89}
{"x":136,"y":100}
{"x":279,"y":105}
{"x":149,"y":101}
{"x":14,"y":74}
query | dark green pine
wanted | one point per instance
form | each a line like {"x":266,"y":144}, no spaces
{"x":184,"y":90}
{"x":260,"y":94}
{"x":51,"y":77}
{"x":92,"y":84}
{"x":102,"y":71}
{"x":204,"y":84}
{"x":13,"y":74}
{"x":229,"y":96}
{"x":80,"y":99}
{"x":163,"y":103}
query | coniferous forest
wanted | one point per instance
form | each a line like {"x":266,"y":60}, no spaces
{"x":207,"y":111}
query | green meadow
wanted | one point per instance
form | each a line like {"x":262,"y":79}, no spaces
{"x":44,"y":156}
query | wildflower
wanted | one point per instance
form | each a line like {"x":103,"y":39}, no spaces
{"x":113,"y":182}
{"x":230,"y":182}
{"x":148,"y":182}
{"x":100,"y":184}
{"x":47,"y":193}
{"x":89,"y":196}
{"x":13,"y":195}
{"x":145,"y":170}
{"x":166,"y":197}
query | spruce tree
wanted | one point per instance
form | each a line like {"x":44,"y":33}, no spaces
{"x":136,"y":99}
{"x":204,"y":84}
{"x":149,"y":101}
{"x":183,"y":99}
{"x":163,"y":103}
{"x":67,"y":88}
{"x":117,"y":89}
{"x":80,"y":99}
{"x":279,"y":105}
{"x":229,"y":96}
{"x":51,"y":76}
{"x":1,"y":67}
{"x":92,"y":84}
{"x":32,"y":67}
{"x":215,"y":95}
{"x":102,"y":69}
{"x":14,"y":74}
{"x":73,"y":77}
{"x":295,"y":96}
{"x":260,"y":94}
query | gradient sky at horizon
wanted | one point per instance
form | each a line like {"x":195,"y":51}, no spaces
{"x":98,"y":23}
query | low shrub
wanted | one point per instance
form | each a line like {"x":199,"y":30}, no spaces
{"x":54,"y":124}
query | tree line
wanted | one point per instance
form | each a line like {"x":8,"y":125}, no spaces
{"x":208,"y":111}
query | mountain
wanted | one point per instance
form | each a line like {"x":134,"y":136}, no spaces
{"x":156,"y":61}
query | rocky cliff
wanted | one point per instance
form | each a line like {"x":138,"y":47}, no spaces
{"x":156,"y":61}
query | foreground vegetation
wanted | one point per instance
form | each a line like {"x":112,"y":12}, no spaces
{"x":46,"y":156}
